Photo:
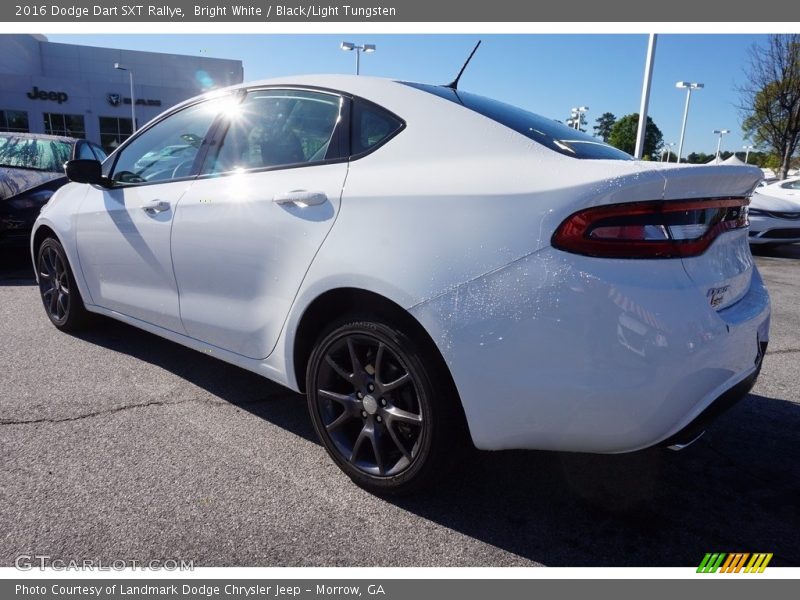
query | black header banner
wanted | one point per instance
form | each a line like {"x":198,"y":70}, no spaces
{"x":402,"y":11}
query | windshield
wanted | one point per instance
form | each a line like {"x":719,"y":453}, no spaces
{"x":29,"y":153}
{"x":547,"y":132}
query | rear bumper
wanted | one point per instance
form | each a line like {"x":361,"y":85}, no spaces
{"x":564,"y":352}
{"x":720,"y":405}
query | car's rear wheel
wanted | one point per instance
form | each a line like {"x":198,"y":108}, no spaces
{"x":387,"y":420}
{"x":60,"y":296}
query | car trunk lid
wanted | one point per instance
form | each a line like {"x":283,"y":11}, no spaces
{"x":723,"y":272}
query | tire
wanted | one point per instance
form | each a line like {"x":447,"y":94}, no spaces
{"x":60,"y":296}
{"x":384,"y":416}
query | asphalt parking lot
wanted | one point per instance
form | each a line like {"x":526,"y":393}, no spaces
{"x":116,"y":444}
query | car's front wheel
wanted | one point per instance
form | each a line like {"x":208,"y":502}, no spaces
{"x":60,"y":296}
{"x":382,"y":413}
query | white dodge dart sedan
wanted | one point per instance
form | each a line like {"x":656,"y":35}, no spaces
{"x":429,"y":266}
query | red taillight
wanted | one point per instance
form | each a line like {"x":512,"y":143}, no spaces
{"x":659,"y":229}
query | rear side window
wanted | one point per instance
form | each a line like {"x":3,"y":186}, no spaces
{"x":547,"y":132}
{"x":371,"y":126}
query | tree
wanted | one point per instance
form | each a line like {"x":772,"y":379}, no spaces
{"x":623,"y":135}
{"x":667,"y":156}
{"x":605,"y":123}
{"x":699,"y":158}
{"x":770,"y":100}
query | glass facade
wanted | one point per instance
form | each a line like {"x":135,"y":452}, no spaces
{"x":66,"y":125}
{"x":14,"y":120}
{"x":114,"y":131}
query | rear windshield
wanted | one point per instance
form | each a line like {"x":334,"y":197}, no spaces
{"x":551,"y":134}
{"x":29,"y":153}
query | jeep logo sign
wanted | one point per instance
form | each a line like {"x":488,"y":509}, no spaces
{"x":37,"y":94}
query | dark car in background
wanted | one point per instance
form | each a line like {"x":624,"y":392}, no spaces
{"x":31,"y":169}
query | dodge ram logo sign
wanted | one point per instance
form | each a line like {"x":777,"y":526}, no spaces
{"x":117,"y":99}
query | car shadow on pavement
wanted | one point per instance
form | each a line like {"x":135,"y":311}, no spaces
{"x":15,"y":267}
{"x":241,"y":388}
{"x":782,"y":251}
{"x":736,"y":489}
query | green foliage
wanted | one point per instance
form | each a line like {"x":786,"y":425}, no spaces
{"x":771,"y":99}
{"x":605,"y":123}
{"x":698,"y":158}
{"x":623,"y":135}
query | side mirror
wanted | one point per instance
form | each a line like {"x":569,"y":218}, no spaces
{"x":82,"y":170}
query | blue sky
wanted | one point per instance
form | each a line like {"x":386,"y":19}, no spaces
{"x":547,"y":74}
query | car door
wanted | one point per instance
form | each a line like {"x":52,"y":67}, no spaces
{"x":123,"y":231}
{"x":246,"y":232}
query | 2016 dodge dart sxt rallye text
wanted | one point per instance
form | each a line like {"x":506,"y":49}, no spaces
{"x":429,"y":266}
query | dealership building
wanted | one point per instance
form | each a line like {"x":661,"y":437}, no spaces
{"x":65,"y":89}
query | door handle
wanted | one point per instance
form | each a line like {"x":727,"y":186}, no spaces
{"x":156,"y":206}
{"x":301,"y":198}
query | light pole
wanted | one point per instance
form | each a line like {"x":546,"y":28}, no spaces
{"x":747,"y":152}
{"x":689,"y":87}
{"x":671,"y":146}
{"x":667,"y":150}
{"x":720,"y":132}
{"x":641,"y":127}
{"x":119,"y":67}
{"x":577,"y":115}
{"x":366,"y":49}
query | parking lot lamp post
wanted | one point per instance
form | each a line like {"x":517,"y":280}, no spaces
{"x":350,"y":47}
{"x":669,"y":146}
{"x":747,"y":152}
{"x":577,"y":114}
{"x":689,"y":86}
{"x":119,"y":67}
{"x":720,"y":133}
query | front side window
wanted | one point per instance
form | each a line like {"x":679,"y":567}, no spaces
{"x":66,"y":125}
{"x":275,"y":128}
{"x":14,"y":120}
{"x":167,"y":149}
{"x":35,"y":154}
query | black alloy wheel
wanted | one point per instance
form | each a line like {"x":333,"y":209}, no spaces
{"x":377,"y":409}
{"x":60,"y":296}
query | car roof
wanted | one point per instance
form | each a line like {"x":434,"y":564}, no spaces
{"x":41,"y":136}
{"x":377,"y":89}
{"x":347,"y":83}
